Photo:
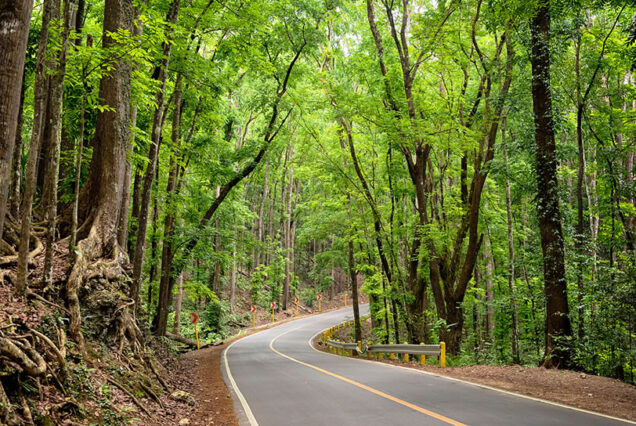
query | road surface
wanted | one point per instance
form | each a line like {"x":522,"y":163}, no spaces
{"x":276,"y":378}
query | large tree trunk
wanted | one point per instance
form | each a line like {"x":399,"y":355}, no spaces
{"x":558,"y":328}
{"x":104,"y":186}
{"x":15,"y":20}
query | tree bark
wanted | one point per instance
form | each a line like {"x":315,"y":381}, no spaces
{"x":511,"y":257}
{"x":39,"y":112}
{"x":354,"y":292}
{"x":288,"y":220}
{"x":15,"y":20}
{"x":176,"y":329}
{"x":104,"y":187}
{"x":52,"y":135}
{"x":558,"y":328}
{"x":16,"y":161}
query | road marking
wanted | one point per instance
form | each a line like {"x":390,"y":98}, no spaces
{"x":453,"y":379}
{"x":246,"y":407}
{"x":361,"y":386}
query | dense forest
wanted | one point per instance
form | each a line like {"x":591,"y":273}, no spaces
{"x":469,"y":163}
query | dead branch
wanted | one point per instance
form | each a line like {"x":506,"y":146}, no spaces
{"x":181,"y":339}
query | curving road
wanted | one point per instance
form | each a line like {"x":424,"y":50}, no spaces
{"x":276,"y":378}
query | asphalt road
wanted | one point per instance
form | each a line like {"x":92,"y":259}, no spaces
{"x":276,"y":378}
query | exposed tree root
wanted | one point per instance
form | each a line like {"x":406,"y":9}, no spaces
{"x":151,"y":394}
{"x":127,"y":392}
{"x":149,"y":361}
{"x":23,"y":354}
{"x":58,"y":353}
{"x":7,"y":415}
{"x":13,"y":259}
{"x":30,"y":293}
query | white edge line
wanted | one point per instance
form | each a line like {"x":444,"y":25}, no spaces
{"x":244,"y":404}
{"x":414,"y":370}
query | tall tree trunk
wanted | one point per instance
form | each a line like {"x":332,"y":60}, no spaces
{"x":160,"y":73}
{"x":52,"y":137}
{"x":490,"y":294}
{"x":154,"y":267}
{"x":558,"y":327}
{"x":16,"y":161}
{"x":176,"y":328}
{"x":260,"y":220}
{"x":39,"y":113}
{"x":354,"y":292}
{"x":288,"y":220}
{"x":15,"y":20}
{"x":233,"y":275}
{"x":167,"y":254}
{"x":511,"y":256}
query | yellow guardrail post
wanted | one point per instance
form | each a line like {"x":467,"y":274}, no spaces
{"x":442,"y":354}
{"x":422,"y":357}
{"x":359,"y":346}
{"x":196,"y":334}
{"x":406,"y":356}
{"x":391,"y":354}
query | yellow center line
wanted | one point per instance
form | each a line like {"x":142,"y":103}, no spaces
{"x":365,"y":387}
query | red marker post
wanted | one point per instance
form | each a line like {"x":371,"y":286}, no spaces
{"x":319,"y":305}
{"x":253,"y":316}
{"x":296,"y":305}
{"x":273,"y":307}
{"x":195,"y":318}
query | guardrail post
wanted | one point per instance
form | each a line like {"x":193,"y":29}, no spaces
{"x":379,"y":355}
{"x":406,"y":356}
{"x":442,"y":354}
{"x":422,"y":357}
{"x":391,"y":354}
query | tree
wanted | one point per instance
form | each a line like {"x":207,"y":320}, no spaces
{"x":15,"y":21}
{"x":558,"y":327}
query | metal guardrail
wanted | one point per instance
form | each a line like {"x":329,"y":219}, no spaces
{"x":431,"y":350}
{"x":405,"y":349}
